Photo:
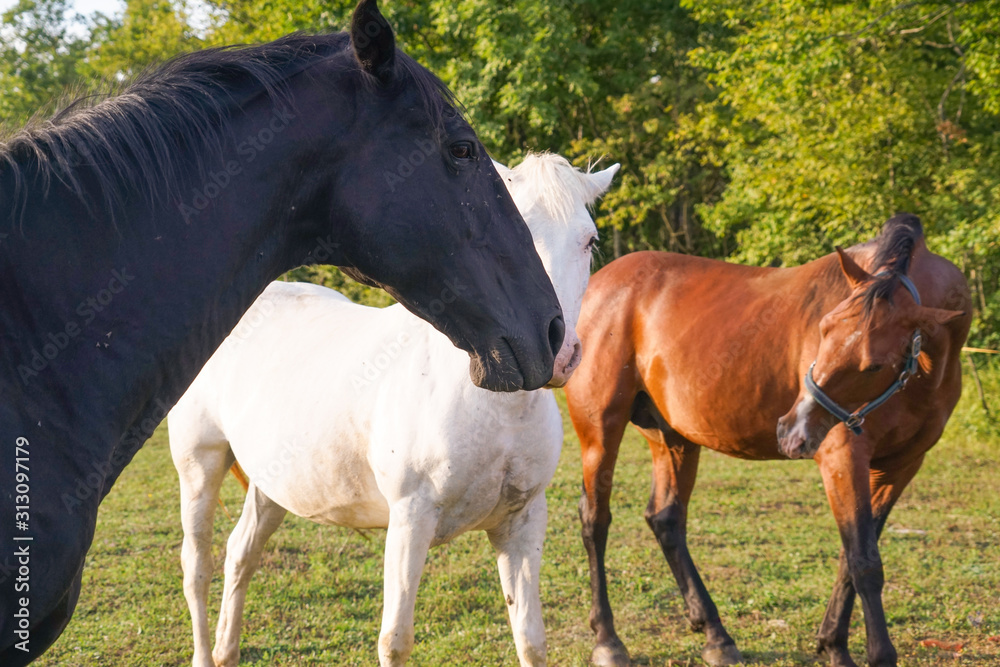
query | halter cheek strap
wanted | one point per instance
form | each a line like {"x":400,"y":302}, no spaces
{"x":908,"y":284}
{"x":854,"y":420}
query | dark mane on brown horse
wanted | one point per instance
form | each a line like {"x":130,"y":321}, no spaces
{"x":893,"y":250}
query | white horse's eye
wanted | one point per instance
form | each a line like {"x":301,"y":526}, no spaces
{"x":591,"y":243}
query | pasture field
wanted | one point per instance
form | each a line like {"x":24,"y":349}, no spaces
{"x":761,"y":533}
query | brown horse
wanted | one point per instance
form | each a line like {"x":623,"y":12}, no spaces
{"x":701,"y":353}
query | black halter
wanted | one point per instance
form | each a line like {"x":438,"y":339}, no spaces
{"x":854,"y":420}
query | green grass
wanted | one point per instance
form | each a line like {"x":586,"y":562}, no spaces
{"x":761,"y":534}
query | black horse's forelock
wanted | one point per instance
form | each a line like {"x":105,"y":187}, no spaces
{"x":144,"y":135}
{"x":893,"y":251}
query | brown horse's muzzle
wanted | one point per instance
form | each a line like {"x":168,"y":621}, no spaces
{"x":802,"y":430}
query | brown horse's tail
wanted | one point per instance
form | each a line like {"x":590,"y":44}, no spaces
{"x":244,"y":481}
{"x":240,"y":476}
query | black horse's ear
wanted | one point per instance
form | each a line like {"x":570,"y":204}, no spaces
{"x":373,"y":41}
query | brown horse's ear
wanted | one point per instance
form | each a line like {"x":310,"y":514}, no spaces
{"x":929,"y":319}
{"x":852,"y":270}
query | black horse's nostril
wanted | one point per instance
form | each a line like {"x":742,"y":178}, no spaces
{"x":557,"y":331}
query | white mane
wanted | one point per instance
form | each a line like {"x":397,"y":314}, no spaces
{"x":549,"y":182}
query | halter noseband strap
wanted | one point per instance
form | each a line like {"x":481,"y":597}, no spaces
{"x":854,"y":420}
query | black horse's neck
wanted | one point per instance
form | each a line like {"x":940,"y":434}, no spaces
{"x":104,"y":325}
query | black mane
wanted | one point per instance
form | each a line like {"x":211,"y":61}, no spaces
{"x":144,"y":136}
{"x":893,"y":251}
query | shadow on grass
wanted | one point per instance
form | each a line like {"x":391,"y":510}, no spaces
{"x":265,"y":656}
{"x":750,"y":659}
{"x":753,"y":658}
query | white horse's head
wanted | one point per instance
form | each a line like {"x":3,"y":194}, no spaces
{"x":553,"y":197}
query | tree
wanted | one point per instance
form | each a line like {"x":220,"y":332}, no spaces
{"x":38,"y":58}
{"x":147,"y":32}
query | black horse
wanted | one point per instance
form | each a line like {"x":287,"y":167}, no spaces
{"x":142,"y":227}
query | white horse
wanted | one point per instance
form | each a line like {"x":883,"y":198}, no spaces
{"x":366,"y":418}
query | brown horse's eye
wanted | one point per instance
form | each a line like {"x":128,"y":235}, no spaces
{"x":874,"y":368}
{"x":462,"y":150}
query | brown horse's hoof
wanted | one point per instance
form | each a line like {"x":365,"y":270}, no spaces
{"x":721,"y":656}
{"x":612,"y":654}
{"x":839,"y":657}
{"x":842,"y":660}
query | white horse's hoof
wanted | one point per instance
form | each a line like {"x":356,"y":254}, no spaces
{"x":610,"y":656}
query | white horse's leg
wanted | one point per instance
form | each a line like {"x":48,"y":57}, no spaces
{"x":518,"y":542}
{"x":202,"y":468}
{"x":411,"y":530}
{"x":261,"y":517}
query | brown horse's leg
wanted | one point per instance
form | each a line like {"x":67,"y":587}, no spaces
{"x":886,"y":483}
{"x":600,"y":430}
{"x":844,"y":466}
{"x":675,"y":466}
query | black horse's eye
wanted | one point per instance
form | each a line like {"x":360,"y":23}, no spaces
{"x":462,"y":150}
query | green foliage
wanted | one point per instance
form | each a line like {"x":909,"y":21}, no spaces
{"x":248,"y":21}
{"x":148,"y":32}
{"x":38,"y":58}
{"x":979,"y":410}
{"x":332,"y":277}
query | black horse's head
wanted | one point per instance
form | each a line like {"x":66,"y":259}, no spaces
{"x":419,"y":187}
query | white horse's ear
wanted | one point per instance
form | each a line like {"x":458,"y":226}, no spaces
{"x":506,"y":175}
{"x":599,"y":181}
{"x":501,"y":169}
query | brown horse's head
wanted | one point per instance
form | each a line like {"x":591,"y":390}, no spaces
{"x":868,"y":342}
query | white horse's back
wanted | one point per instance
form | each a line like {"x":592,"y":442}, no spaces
{"x":292,"y":393}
